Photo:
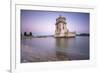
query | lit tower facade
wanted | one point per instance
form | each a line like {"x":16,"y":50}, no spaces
{"x":61,"y":28}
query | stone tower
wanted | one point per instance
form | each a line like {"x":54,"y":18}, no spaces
{"x":61,"y":28}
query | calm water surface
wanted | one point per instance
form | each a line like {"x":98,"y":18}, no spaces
{"x":54,"y":49}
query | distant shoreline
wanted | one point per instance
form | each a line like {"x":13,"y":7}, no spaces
{"x":83,"y":34}
{"x":45,"y":36}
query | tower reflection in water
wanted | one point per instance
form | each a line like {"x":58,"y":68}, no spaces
{"x":62,"y":45}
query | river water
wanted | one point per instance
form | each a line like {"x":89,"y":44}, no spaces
{"x":54,"y":49}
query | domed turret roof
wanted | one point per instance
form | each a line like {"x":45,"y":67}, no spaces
{"x":61,"y":19}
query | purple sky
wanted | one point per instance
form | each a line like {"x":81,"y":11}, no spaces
{"x":43,"y":22}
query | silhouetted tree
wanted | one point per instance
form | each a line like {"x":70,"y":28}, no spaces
{"x":30,"y":33}
{"x":25,"y":34}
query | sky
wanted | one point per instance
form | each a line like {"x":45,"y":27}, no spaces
{"x":43,"y":22}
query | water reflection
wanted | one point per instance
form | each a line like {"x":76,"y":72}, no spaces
{"x":54,"y":49}
{"x":61,"y":43}
{"x":61,"y":56}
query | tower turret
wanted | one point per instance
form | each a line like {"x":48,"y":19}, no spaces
{"x":62,"y":29}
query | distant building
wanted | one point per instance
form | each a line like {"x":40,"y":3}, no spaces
{"x":62,"y":29}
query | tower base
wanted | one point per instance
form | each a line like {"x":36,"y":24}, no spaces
{"x":68,"y":35}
